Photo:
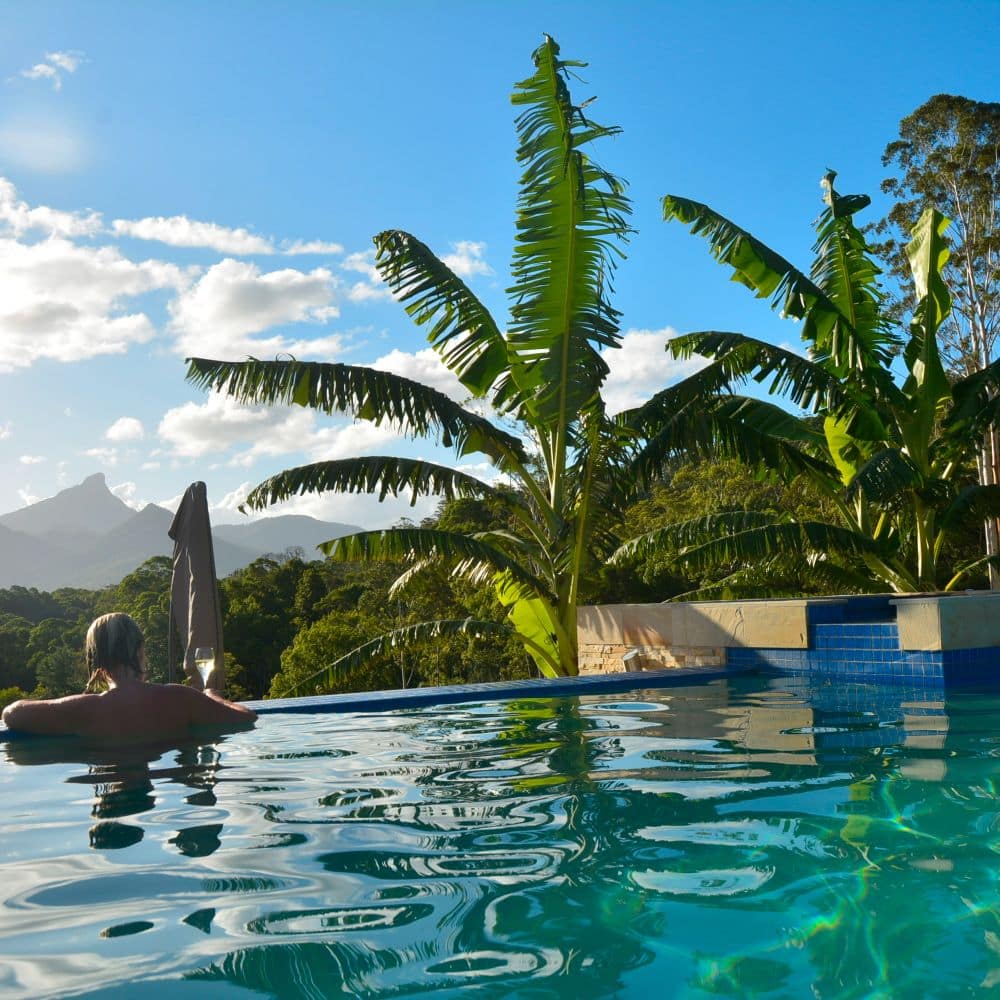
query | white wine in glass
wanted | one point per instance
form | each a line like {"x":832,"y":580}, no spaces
{"x":204,"y":660}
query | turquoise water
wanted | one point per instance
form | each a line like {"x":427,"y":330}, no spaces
{"x":741,"y":838}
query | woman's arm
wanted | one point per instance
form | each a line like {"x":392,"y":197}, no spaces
{"x":210,"y":708}
{"x":56,"y":716}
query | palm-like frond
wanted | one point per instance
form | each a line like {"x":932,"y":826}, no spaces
{"x":571,"y":221}
{"x":398,"y":638}
{"x":754,"y":264}
{"x":462,"y":330}
{"x":738,"y":358}
{"x":745,"y":536}
{"x":385,"y":475}
{"x":752,"y":430}
{"x":469,"y":557}
{"x":848,"y":276}
{"x":973,"y":503}
{"x":885,"y":477}
{"x":381,"y":397}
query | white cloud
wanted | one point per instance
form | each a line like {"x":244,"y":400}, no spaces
{"x":348,"y":440}
{"x":363,"y":262}
{"x":149,"y":466}
{"x":43,"y":71}
{"x":361,"y":291}
{"x":27,"y":497}
{"x":17,"y":217}
{"x":311,"y":247}
{"x":66,"y":302}
{"x":467,"y":259}
{"x":220,"y":425}
{"x":53,"y":66}
{"x":423,"y":366}
{"x":180,"y":231}
{"x":125,"y":429}
{"x":219,"y":315}
{"x":48,"y":144}
{"x":31,"y":459}
{"x":127,"y":492}
{"x":641,"y":367}
{"x":69,"y":61}
{"x":6,"y":430}
{"x":107,"y":456}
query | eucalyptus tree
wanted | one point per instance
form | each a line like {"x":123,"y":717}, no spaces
{"x":567,"y":475}
{"x":895,"y":457}
{"x":948,"y":155}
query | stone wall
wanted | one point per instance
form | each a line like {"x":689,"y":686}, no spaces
{"x":614,"y":638}
{"x":616,"y":658}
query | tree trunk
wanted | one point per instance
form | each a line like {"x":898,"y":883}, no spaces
{"x":989,"y":475}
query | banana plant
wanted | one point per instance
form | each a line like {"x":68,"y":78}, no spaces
{"x":896,"y":457}
{"x":571,"y":469}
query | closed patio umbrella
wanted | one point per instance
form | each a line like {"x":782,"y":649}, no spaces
{"x":195,"y":613}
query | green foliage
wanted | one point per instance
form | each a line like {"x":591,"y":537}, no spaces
{"x":893,"y":461}
{"x":947,"y":156}
{"x":11,"y":694}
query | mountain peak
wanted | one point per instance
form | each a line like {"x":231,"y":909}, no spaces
{"x":88,"y":506}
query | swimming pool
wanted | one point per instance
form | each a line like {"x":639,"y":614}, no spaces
{"x":752,"y":837}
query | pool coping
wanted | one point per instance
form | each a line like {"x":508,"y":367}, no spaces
{"x":539,"y":687}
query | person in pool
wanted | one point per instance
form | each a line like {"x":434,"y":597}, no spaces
{"x":131,"y":709}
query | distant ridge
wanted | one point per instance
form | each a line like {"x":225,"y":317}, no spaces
{"x":85,"y":536}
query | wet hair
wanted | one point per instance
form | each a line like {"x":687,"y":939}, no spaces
{"x":114,"y":643}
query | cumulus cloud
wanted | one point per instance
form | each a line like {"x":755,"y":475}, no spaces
{"x":466,"y":259}
{"x":363,"y":262}
{"x":125,"y":429}
{"x":67,"y":303}
{"x":31,"y":459}
{"x":128,"y":493}
{"x":297,"y":247}
{"x":180,"y":231}
{"x":27,"y":497}
{"x":642,"y":367}
{"x":6,"y":430}
{"x":18,"y":218}
{"x":220,"y":425}
{"x":221,"y":314}
{"x":423,"y":366}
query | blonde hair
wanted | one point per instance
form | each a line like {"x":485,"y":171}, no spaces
{"x":114,"y":643}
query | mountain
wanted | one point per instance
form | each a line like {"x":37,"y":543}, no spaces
{"x":86,"y":537}
{"x":272,"y":534}
{"x":89,"y":507}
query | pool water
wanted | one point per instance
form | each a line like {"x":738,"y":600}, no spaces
{"x":749,"y":837}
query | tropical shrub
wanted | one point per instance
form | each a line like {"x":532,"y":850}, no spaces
{"x":895,"y":457}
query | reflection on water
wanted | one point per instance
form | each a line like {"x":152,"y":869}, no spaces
{"x":742,"y":838}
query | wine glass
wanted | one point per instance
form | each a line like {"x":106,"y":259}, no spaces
{"x":204,"y":660}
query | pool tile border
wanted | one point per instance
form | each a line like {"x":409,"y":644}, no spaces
{"x":541,"y":687}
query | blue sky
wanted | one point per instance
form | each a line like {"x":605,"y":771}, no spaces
{"x":184,"y":178}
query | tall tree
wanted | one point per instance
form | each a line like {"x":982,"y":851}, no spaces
{"x":948,"y":156}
